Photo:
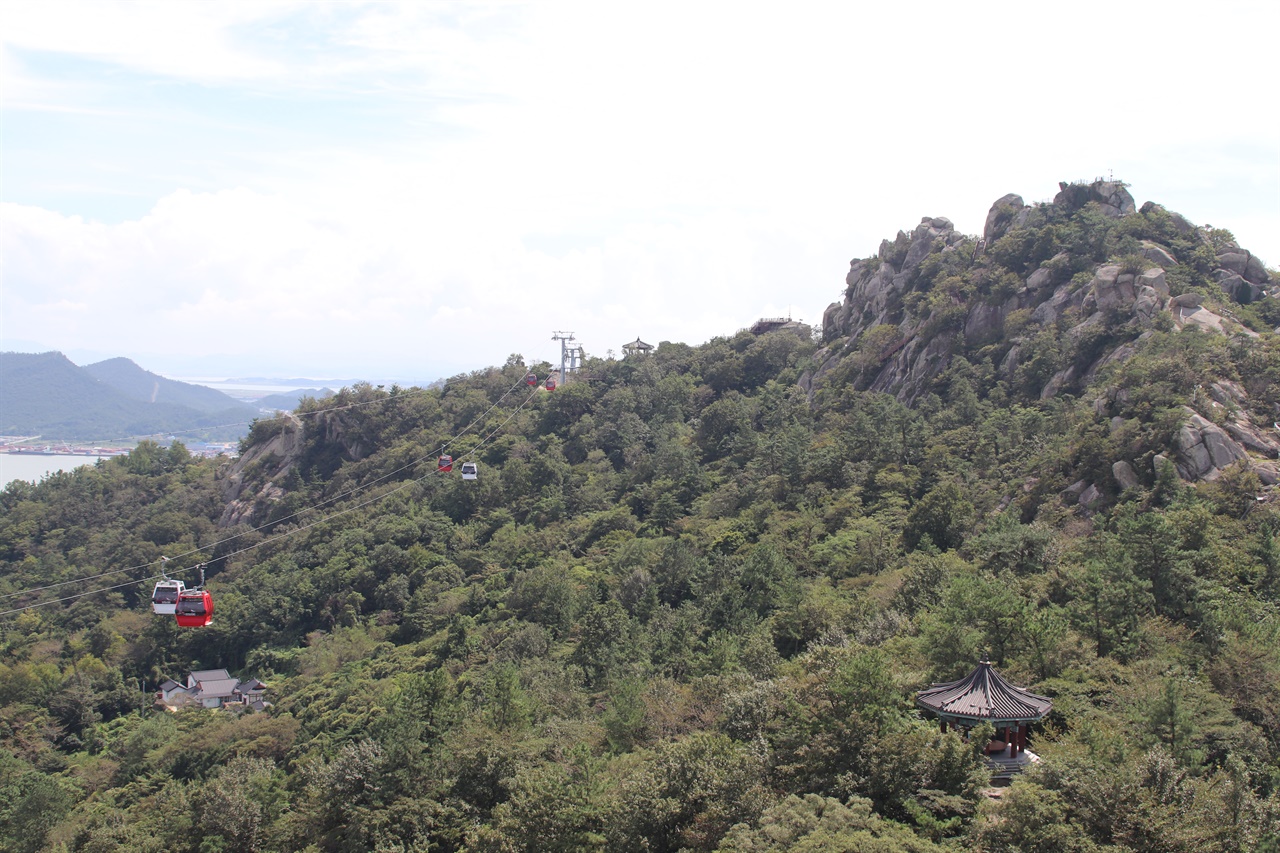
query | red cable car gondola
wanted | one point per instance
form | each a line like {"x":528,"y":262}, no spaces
{"x":445,"y":462}
{"x":551,"y":383}
{"x":194,"y":608}
{"x":531,"y":378}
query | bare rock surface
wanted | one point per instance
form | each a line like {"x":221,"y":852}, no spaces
{"x":1003,"y":213}
{"x":1111,"y":197}
{"x":1126,"y":477}
{"x":1113,"y":303}
{"x":1204,"y":449}
{"x":1158,"y":255}
{"x":249,"y":483}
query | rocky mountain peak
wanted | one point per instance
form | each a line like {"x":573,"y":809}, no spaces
{"x":1053,"y":296}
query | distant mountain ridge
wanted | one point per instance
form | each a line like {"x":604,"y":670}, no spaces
{"x":133,"y":381}
{"x":47,"y":394}
{"x":289,"y":400}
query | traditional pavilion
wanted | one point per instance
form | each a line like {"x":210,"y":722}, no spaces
{"x":636,"y":347}
{"x":984,"y":696}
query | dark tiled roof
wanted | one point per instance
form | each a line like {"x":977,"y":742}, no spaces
{"x":207,"y":675}
{"x":984,"y":695}
{"x":217,"y":688}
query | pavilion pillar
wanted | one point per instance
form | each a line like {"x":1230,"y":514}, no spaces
{"x":944,"y":725}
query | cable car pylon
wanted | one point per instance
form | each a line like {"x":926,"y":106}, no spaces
{"x":570,"y":357}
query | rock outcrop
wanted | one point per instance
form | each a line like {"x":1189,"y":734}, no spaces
{"x":1111,"y":197}
{"x":873,"y":297}
{"x":902,"y":333}
{"x":249,"y":484}
{"x":1204,"y":449}
{"x":1008,"y":211}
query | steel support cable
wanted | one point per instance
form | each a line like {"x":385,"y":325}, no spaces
{"x":268,"y":540}
{"x":404,"y":393}
{"x":326,"y":502}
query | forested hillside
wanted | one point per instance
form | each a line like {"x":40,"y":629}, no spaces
{"x":688,"y":601}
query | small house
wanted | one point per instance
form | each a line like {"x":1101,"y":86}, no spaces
{"x":213,"y":688}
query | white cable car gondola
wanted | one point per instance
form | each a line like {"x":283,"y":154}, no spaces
{"x":469,"y":471}
{"x":164,"y":598}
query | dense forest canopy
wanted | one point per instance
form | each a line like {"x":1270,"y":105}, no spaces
{"x":689,"y":599}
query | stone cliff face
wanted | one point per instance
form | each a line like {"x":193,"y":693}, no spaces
{"x":902,"y":320}
{"x":251,"y":483}
{"x":260,"y":478}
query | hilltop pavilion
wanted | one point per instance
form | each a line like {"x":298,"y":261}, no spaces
{"x":636,"y":347}
{"x":984,"y":696}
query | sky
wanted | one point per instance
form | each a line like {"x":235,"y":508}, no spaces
{"x":405,"y":191}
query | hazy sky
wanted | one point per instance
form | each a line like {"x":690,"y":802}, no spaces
{"x":388,"y":190}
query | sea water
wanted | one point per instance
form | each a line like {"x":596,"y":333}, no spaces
{"x":34,"y":468}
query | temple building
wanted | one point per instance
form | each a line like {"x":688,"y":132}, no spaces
{"x":984,"y":696}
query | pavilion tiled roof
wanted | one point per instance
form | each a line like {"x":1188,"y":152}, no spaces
{"x":984,"y":695}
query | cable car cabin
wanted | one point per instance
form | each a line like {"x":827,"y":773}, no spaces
{"x":551,"y":384}
{"x":445,"y":463}
{"x":165,"y":596}
{"x":194,"y":608}
{"x":469,"y":471}
{"x":531,"y":379}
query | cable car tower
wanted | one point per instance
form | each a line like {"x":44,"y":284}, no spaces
{"x":570,"y":356}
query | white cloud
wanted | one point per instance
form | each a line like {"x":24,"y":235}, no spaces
{"x":237,"y":272}
{"x":187,"y":40}
{"x":443,"y":184}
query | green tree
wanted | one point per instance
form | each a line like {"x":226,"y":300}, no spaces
{"x":815,"y":824}
{"x":1030,"y":819}
{"x":1109,"y":603}
{"x":943,"y":515}
{"x":1171,"y":720}
{"x":31,"y":804}
{"x":688,"y":795}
